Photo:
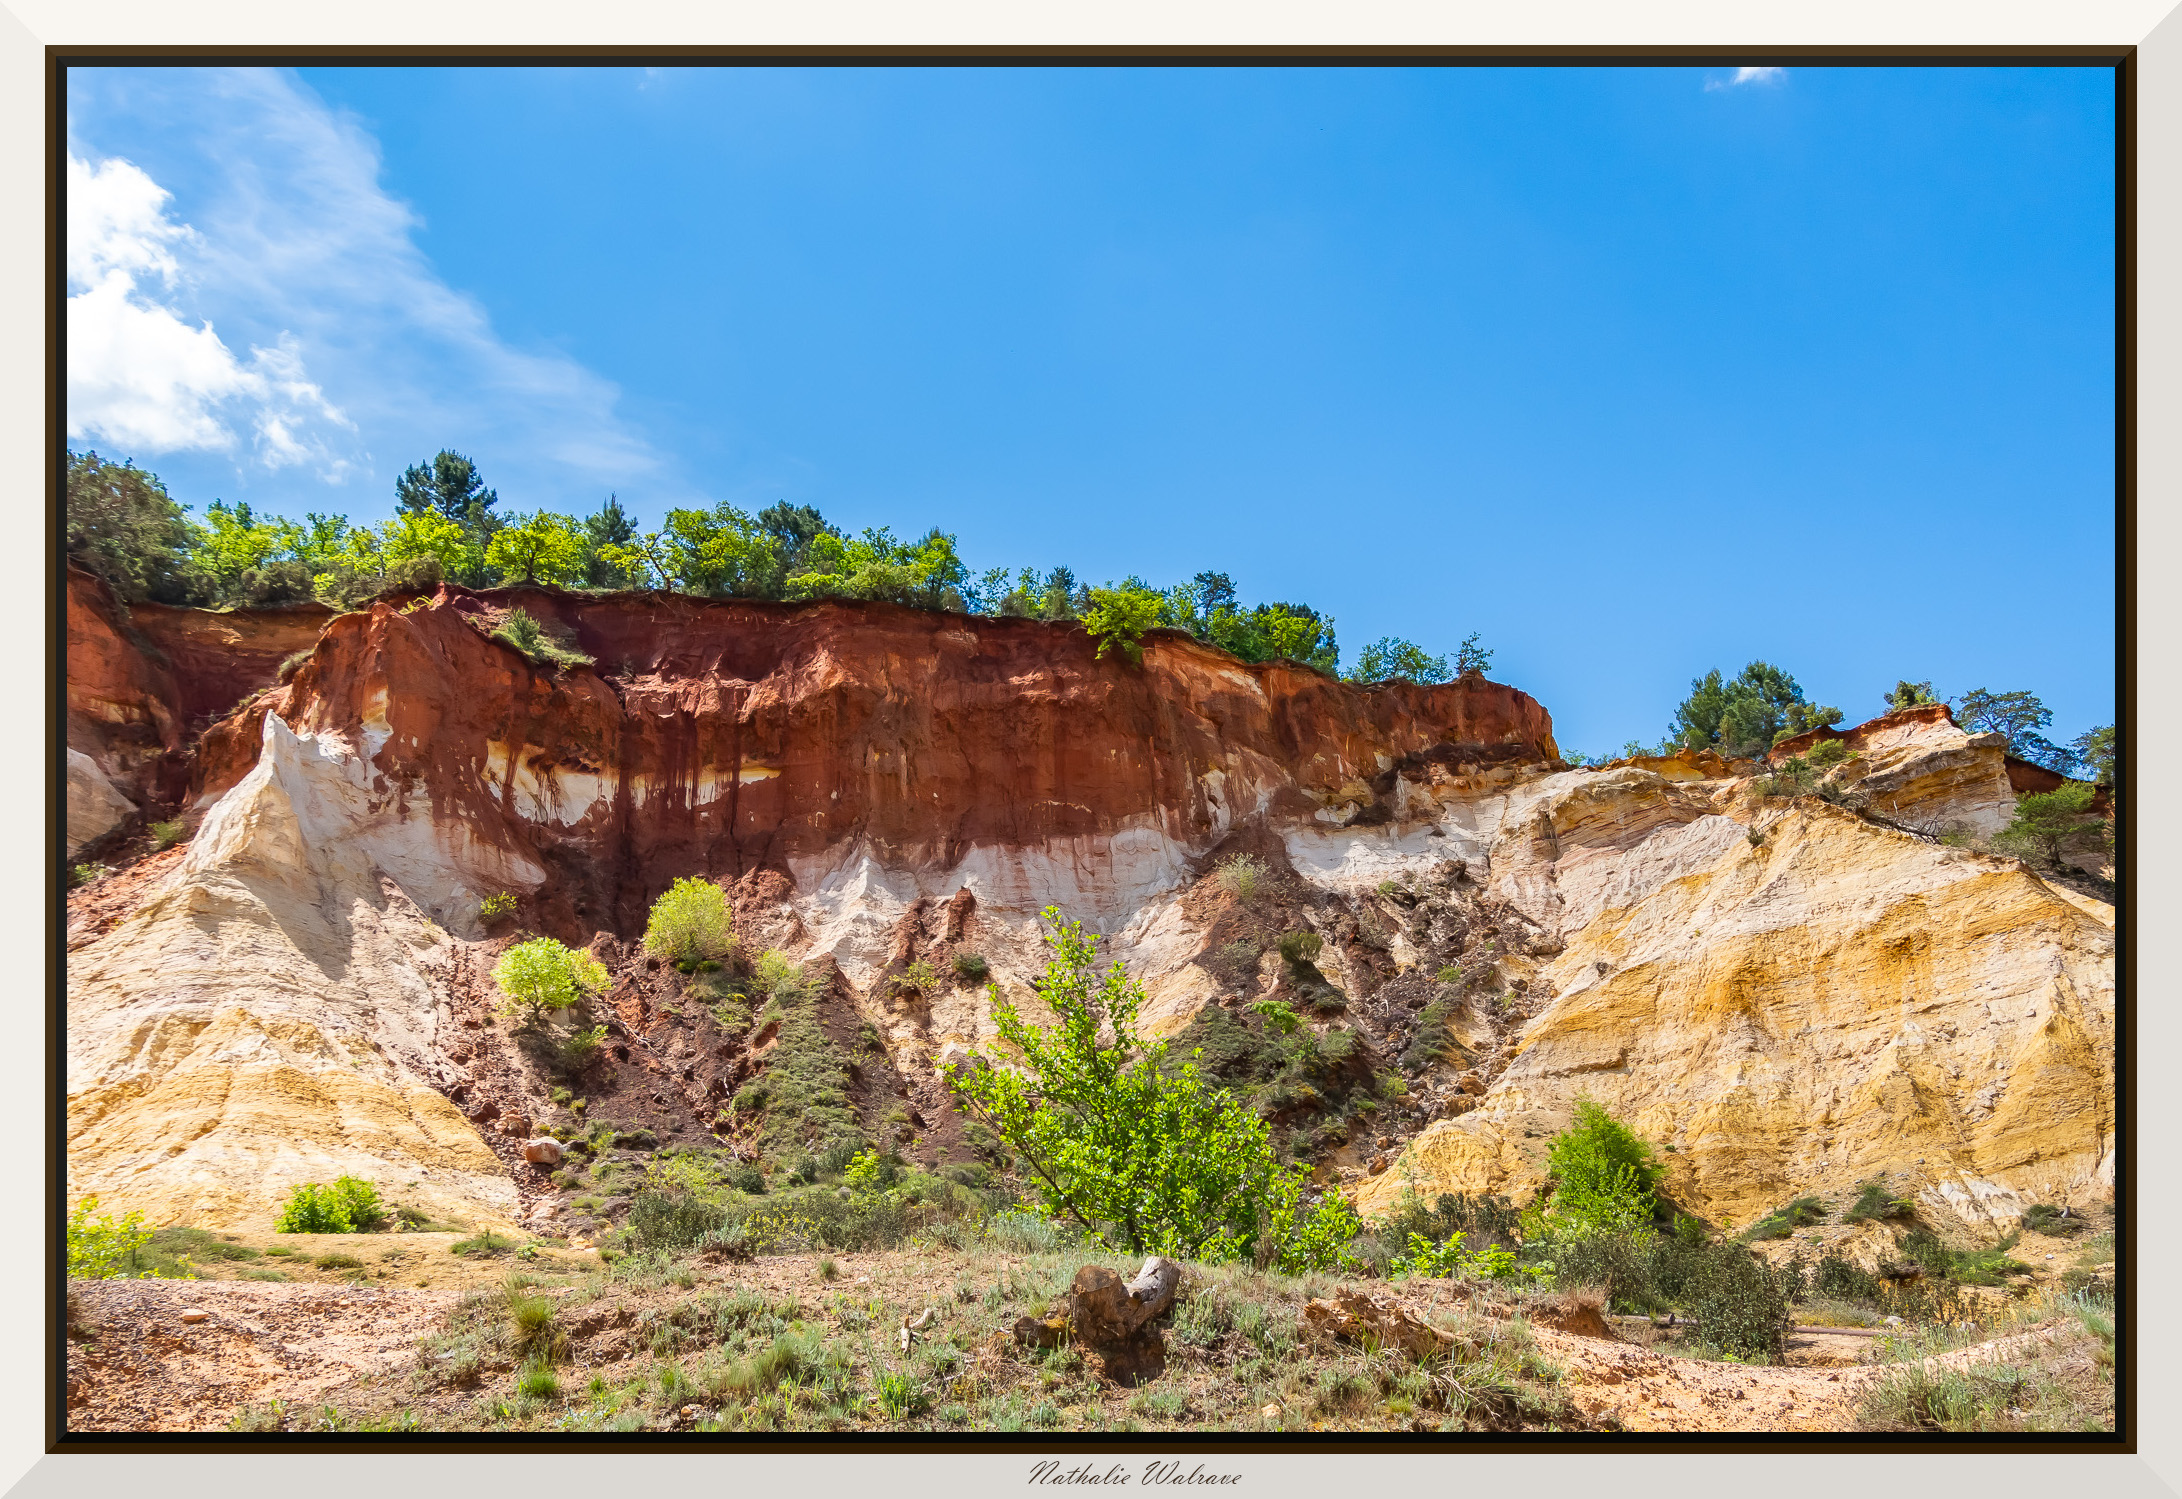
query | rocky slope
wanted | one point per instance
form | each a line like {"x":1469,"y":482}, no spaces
{"x":1793,"y":996}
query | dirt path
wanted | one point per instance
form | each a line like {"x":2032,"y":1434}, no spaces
{"x":144,"y":1369}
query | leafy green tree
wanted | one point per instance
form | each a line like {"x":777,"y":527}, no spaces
{"x":1471,"y":659}
{"x":607,"y":526}
{"x":1910,"y":695}
{"x":794,"y":529}
{"x":722,"y":552}
{"x":1390,"y":659}
{"x":1747,"y":715}
{"x":2050,"y":822}
{"x":925,"y":573}
{"x":1118,"y":618}
{"x":251,"y":559}
{"x":1145,"y":1159}
{"x":690,"y":922}
{"x":2096,"y":752}
{"x":540,"y":548}
{"x":123,"y":526}
{"x":2019,"y":716}
{"x":544,"y":974}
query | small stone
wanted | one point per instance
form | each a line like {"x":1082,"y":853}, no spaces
{"x":194,"y":1315}
{"x":543,"y":1151}
{"x":1271,"y":1412}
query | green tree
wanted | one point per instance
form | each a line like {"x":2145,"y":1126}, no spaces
{"x":607,"y":526}
{"x":1747,"y":715}
{"x":1118,"y":618}
{"x":249,"y":558}
{"x":1148,"y":1160}
{"x":544,"y":974}
{"x":1390,"y":659}
{"x":925,"y":573}
{"x":450,"y":485}
{"x":2019,"y":716}
{"x":2050,"y":822}
{"x":1910,"y":695}
{"x":1471,"y":659}
{"x":690,"y":922}
{"x":722,"y":552}
{"x":2096,"y":752}
{"x":123,"y":526}
{"x":540,"y":548}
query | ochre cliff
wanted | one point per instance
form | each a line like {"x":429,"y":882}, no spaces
{"x":1792,"y":996}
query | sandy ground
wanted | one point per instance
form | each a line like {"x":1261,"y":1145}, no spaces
{"x":144,"y":1368}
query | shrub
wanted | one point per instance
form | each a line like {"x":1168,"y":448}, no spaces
{"x":338,"y":1262}
{"x":1301,"y":947}
{"x":1873,"y":1200}
{"x":493,"y":907}
{"x":578,"y":1051}
{"x":101,"y":1247}
{"x":690,"y":923}
{"x":2045,"y":1218}
{"x":349,"y":1206}
{"x":1141,"y":1157}
{"x":166,"y":834}
{"x":1240,"y":875}
{"x":671,"y":1219}
{"x":538,"y":1381}
{"x":525,"y":634}
{"x":916,"y":978}
{"x":971,"y":967}
{"x":1118,"y":617}
{"x":1604,"y":1176}
{"x":1782,"y":1222}
{"x":543,"y":974}
{"x":86,"y":874}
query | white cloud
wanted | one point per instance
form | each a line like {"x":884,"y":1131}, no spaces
{"x":294,"y":249}
{"x":139,"y":373}
{"x":1746,"y":75}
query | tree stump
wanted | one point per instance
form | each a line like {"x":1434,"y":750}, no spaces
{"x":1115,"y":1320}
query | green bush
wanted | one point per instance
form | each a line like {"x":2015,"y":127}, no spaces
{"x":166,"y":834}
{"x":1118,"y":618}
{"x":580,"y":1049}
{"x":971,"y":967}
{"x":2052,"y":822}
{"x":917,"y":978}
{"x":1874,"y":1201}
{"x":2045,"y":1218}
{"x":349,"y":1206}
{"x":493,"y":907}
{"x":101,"y":1247}
{"x":690,"y":923}
{"x":544,"y":974}
{"x":525,"y":634}
{"x":1142,"y":1156}
{"x":88,"y":874}
{"x":1782,"y":1222}
{"x":1301,"y":947}
{"x":1603,"y":1175}
{"x":1240,"y":876}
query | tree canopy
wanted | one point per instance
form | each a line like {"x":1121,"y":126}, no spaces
{"x":1745,"y":715}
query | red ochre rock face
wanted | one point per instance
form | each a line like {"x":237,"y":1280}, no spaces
{"x":722,"y":737}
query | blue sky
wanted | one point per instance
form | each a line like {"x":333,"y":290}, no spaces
{"x":1636,"y":372}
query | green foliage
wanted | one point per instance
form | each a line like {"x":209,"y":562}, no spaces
{"x":1988,"y":1266}
{"x":924,"y":574}
{"x":1471,"y":659}
{"x":540,"y":548}
{"x":87,"y":874}
{"x":1910,"y":695}
{"x":1435,"y":1037}
{"x":971,"y":966}
{"x":123,"y":526}
{"x":917,"y":978}
{"x":1828,"y":753}
{"x":448,"y":484}
{"x":2096,"y":751}
{"x":1142,"y":1156}
{"x":518,"y":629}
{"x":2045,"y":1218}
{"x":690,"y":922}
{"x":2018,"y":716}
{"x":101,"y":1247}
{"x":1747,"y":715}
{"x":1118,"y":618}
{"x":1393,"y":660}
{"x":1240,"y":876}
{"x":1280,"y":1017}
{"x":1783,"y":1221}
{"x":581,"y":1048}
{"x":800,"y":1102}
{"x":1301,"y":947}
{"x":166,"y":834}
{"x":2051,"y":822}
{"x":493,"y":907}
{"x":1429,"y":1261}
{"x":349,"y":1206}
{"x":900,"y":1396}
{"x":543,"y":974}
{"x":1604,"y":1177}
{"x":1873,"y":1201}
